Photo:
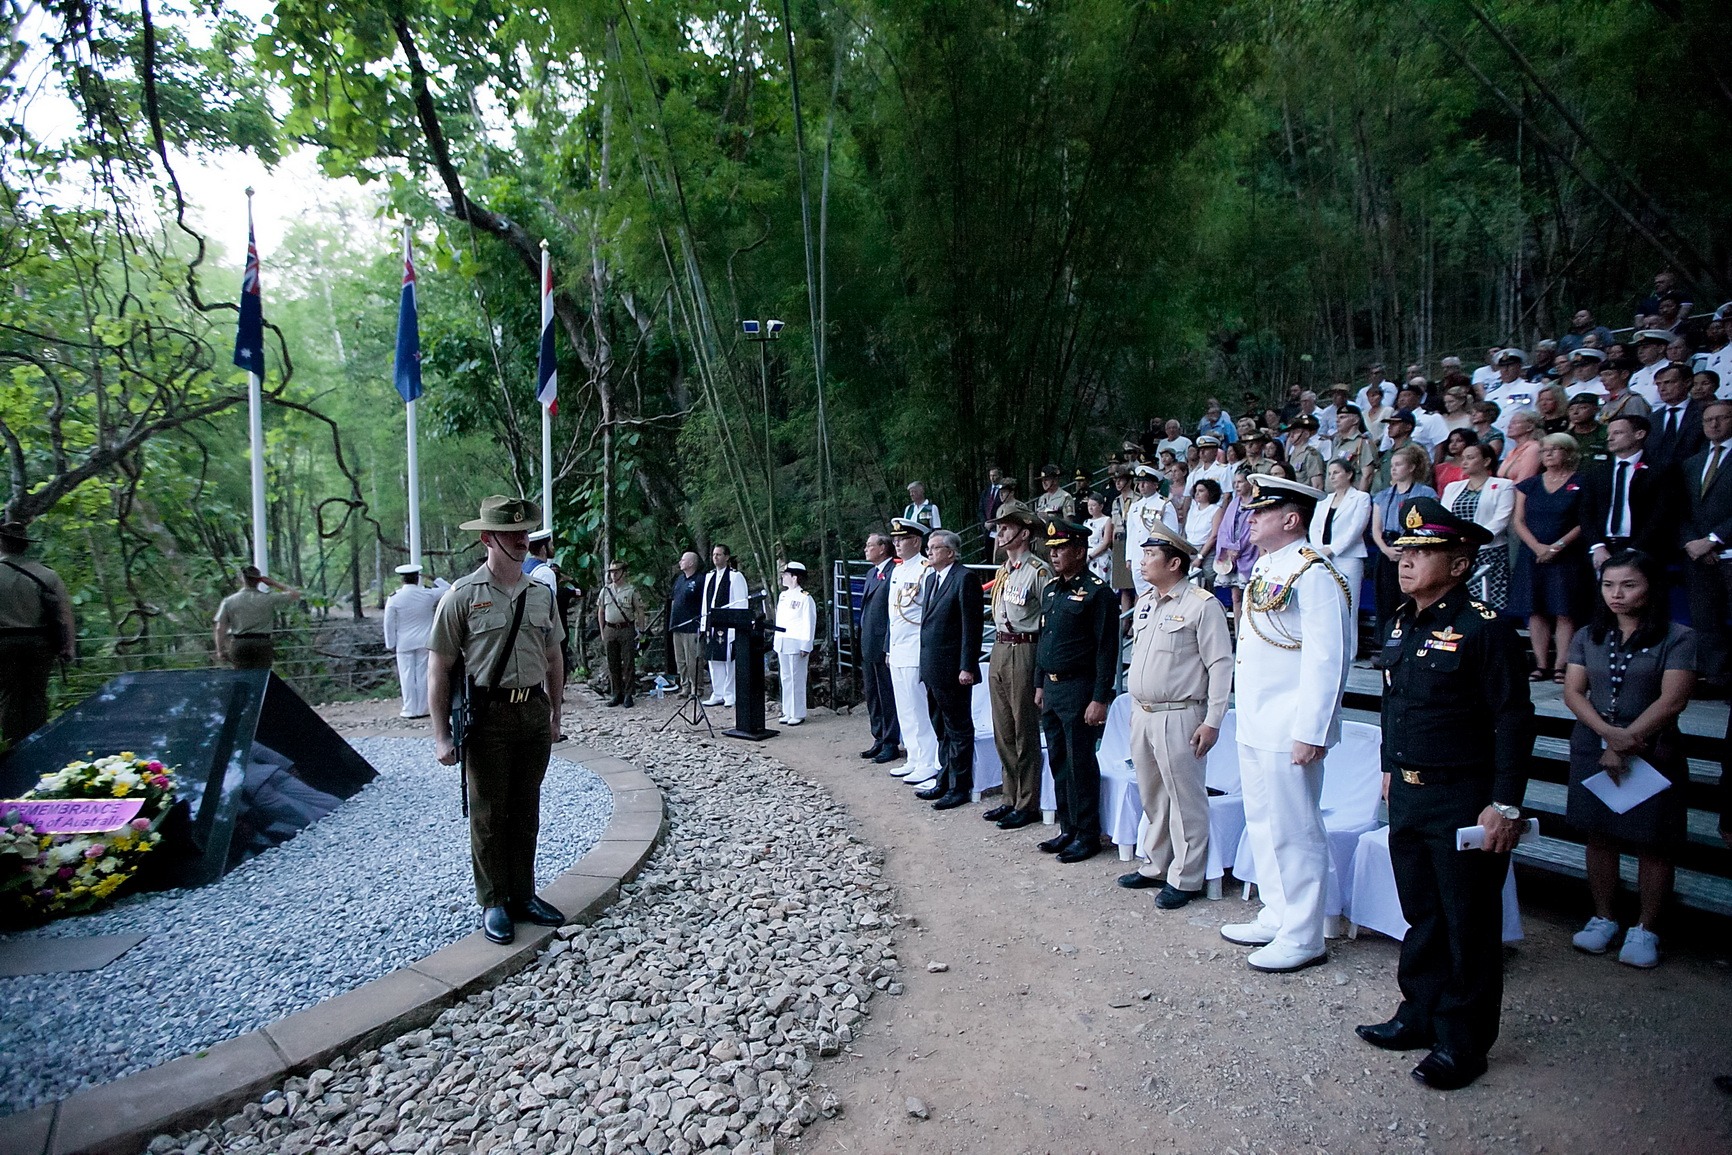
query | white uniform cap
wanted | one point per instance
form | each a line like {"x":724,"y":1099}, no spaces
{"x":409,"y":568}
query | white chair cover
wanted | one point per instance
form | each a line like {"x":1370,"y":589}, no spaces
{"x":1116,"y":738}
{"x":1375,"y":905}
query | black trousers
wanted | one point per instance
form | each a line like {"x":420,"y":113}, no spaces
{"x":1451,"y":970}
{"x":24,"y":690}
{"x":1710,"y":587}
{"x":881,"y":703}
{"x":952,"y":709}
{"x":1070,"y":747}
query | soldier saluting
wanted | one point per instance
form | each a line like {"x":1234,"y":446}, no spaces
{"x":504,"y":627}
{"x":1457,"y":732}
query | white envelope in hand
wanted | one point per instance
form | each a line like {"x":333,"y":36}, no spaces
{"x":1473,"y":837}
{"x":1641,"y":782}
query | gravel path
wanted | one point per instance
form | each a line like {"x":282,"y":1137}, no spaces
{"x":688,"y":1017}
{"x":382,"y":882}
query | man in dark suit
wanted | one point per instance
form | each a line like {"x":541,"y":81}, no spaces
{"x":950,"y":631}
{"x":1626,"y":506}
{"x":1706,"y":481}
{"x":875,"y":652}
{"x":989,"y":497}
{"x":1677,"y":420}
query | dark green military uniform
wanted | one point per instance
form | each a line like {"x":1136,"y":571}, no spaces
{"x":510,"y":737}
{"x":1457,"y":736}
{"x":32,"y":635}
{"x":1075,"y":663}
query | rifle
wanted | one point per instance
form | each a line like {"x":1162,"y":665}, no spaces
{"x":462,"y":718}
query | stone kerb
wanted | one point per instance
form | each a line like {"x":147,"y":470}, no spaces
{"x":120,"y":1117}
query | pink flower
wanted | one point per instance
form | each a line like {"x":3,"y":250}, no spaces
{"x":64,"y":872}
{"x":95,"y":851}
{"x":154,"y":765}
{"x":140,"y":824}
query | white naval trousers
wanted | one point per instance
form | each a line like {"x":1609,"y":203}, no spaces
{"x":918,"y":736}
{"x":791,"y":668}
{"x":412,"y":677}
{"x":1290,"y":848}
{"x":722,"y":682}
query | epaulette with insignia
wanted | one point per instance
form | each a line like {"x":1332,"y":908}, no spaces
{"x":1485,"y":611}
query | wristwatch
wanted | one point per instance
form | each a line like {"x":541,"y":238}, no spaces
{"x":1513,"y":813}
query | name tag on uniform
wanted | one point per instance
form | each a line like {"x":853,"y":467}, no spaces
{"x":480,"y":606}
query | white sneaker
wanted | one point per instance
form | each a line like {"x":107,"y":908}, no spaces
{"x":924,"y":783}
{"x":1279,"y":958}
{"x":1641,"y":948}
{"x":1596,"y":936}
{"x":1247,"y":933}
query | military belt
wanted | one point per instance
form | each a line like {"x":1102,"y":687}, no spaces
{"x":1070,"y":677}
{"x":513,"y":695}
{"x":1016,"y":639}
{"x":1167,"y":707}
{"x":1440,"y":775}
{"x":252,"y":637}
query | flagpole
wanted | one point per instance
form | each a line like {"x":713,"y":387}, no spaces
{"x":414,"y":457}
{"x":256,"y":434}
{"x":546,"y":414}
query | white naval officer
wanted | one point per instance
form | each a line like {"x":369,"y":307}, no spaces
{"x":1147,"y":511}
{"x":796,"y":629}
{"x":920,"y":769}
{"x":1294,"y":650}
{"x":408,"y":623}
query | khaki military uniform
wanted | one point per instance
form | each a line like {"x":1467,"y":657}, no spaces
{"x":1180,"y":677}
{"x":249,"y":616}
{"x":622,"y":619}
{"x":1016,"y":615}
{"x":1120,"y":511}
{"x":31,"y":631}
{"x":510,"y":739}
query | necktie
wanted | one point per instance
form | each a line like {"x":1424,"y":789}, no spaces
{"x":1713,"y":467}
{"x":1671,"y":422}
{"x":1616,"y":527}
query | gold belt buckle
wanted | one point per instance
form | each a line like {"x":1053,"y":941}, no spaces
{"x":1145,"y":707}
{"x":519,"y":694}
{"x":1052,"y":677}
{"x":1412,"y":778}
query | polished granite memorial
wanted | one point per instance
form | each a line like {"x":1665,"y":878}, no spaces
{"x":254,"y":763}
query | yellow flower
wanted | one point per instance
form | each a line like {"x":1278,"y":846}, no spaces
{"x":122,"y":789}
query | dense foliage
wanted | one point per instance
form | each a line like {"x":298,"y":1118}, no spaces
{"x":999,"y":232}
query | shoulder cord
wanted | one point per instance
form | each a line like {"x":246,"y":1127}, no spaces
{"x":1269,"y":605}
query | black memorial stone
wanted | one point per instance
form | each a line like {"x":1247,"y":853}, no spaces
{"x":254,"y":763}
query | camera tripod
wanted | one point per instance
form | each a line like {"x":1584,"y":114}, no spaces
{"x":691,"y":711}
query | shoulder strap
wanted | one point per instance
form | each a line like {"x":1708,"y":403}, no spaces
{"x":510,"y":640}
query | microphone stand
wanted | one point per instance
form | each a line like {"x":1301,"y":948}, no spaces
{"x":691,"y":710}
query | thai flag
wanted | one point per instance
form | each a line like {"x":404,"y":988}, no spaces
{"x":546,"y":371}
{"x":250,"y":336}
{"x":408,"y":366}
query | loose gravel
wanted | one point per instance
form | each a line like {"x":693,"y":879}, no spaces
{"x":688,"y":1017}
{"x":380,"y":883}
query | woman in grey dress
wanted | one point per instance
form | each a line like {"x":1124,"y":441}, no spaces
{"x":1628,"y":680}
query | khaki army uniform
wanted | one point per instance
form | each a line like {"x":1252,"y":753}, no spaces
{"x":510,"y":737}
{"x":622,"y":619}
{"x":31,"y":633}
{"x":1016,"y":616}
{"x":249,"y":616}
{"x":1180,"y":677}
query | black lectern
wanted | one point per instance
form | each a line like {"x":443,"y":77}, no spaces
{"x":751,"y":643}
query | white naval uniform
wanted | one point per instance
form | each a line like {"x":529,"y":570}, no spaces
{"x":906,"y":608}
{"x":796,"y":626}
{"x":1289,"y":673}
{"x":1642,"y":383}
{"x":733,"y":598}
{"x":408,"y":622}
{"x":1144,"y":513}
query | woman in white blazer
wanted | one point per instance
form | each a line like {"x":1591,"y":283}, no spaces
{"x":796,"y":629}
{"x":1482,"y":497}
{"x":1338,"y":527}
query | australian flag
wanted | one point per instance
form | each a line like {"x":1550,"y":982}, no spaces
{"x":408,"y":367}
{"x":250,"y":337}
{"x":546,"y":371}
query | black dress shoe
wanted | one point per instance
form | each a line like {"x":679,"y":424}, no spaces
{"x":1447,"y":1071}
{"x":614,"y":702}
{"x":1172,"y":898}
{"x":888,"y":754}
{"x":628,"y":702}
{"x":1080,"y":849}
{"x":1017,"y":819}
{"x":1055,"y":844}
{"x":931,"y":793}
{"x":951,"y":800}
{"x":496,"y":925}
{"x":997,"y":812}
{"x":1394,"y":1035}
{"x":872,"y":753}
{"x":1137,"y":880}
{"x":538,"y":912}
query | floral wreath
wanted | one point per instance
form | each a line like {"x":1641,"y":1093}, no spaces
{"x":48,"y":873}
